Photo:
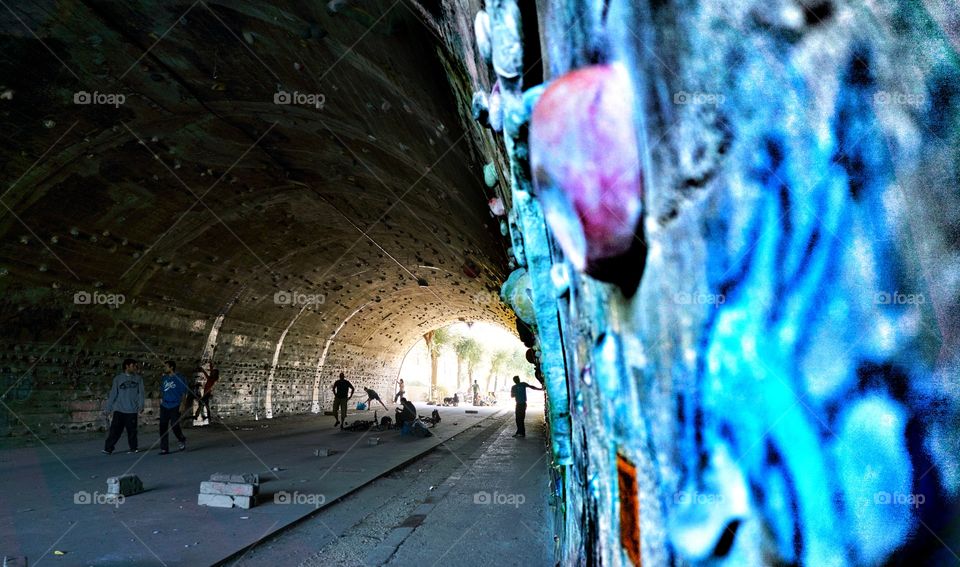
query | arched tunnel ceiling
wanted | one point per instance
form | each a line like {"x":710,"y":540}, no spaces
{"x":200,"y":187}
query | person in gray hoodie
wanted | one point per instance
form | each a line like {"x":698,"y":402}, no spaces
{"x":125,"y":402}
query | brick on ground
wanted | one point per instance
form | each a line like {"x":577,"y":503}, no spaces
{"x":127,"y":485}
{"x":225,"y":501}
{"x":228,"y":488}
{"x":248,"y":478}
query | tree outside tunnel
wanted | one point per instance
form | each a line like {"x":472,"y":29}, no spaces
{"x":460,"y":354}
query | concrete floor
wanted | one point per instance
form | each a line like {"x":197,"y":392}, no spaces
{"x":431,"y":512}
{"x":164,"y":526}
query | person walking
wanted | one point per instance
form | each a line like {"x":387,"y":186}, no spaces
{"x":125,"y":402}
{"x":172,"y":389}
{"x":212,"y":375}
{"x":519,"y":393}
{"x":400,"y":391}
{"x":373,"y":395}
{"x":476,"y":393}
{"x":342,"y":391}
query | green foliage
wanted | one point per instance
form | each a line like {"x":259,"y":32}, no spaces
{"x":471,"y":351}
{"x":439,"y":340}
{"x":516,"y":363}
{"x":498,"y":360}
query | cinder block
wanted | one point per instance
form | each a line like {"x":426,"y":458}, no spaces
{"x":248,"y":478}
{"x":228,"y":488}
{"x":373,"y":441}
{"x":245,"y":502}
{"x":215,"y":500}
{"x":127,"y":485}
{"x":321,"y":452}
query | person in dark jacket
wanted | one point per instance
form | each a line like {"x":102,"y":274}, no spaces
{"x":406,"y":413}
{"x":172,"y":389}
{"x":342,"y":391}
{"x":125,"y":402}
{"x":519,"y":393}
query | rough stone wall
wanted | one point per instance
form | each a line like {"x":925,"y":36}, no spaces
{"x":361,"y":368}
{"x":781,"y":387}
{"x":58,"y":383}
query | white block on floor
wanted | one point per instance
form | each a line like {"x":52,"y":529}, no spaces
{"x":226,"y":501}
{"x":322,"y":452}
{"x":248,"y":478}
{"x":245,"y":502}
{"x":215,"y":500}
{"x":373,"y":441}
{"x":228,"y":488}
{"x":127,"y":485}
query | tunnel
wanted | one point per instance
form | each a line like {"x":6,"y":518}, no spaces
{"x":722,"y":234}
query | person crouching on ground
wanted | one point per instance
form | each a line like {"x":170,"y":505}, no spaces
{"x":172,"y":389}
{"x":407,"y":414}
{"x":125,"y":402}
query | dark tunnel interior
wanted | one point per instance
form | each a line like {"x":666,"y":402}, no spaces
{"x":720,"y":236}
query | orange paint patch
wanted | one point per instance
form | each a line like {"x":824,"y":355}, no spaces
{"x":629,"y":509}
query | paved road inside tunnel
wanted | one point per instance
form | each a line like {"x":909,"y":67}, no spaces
{"x":165,"y":526}
{"x":480,"y":498}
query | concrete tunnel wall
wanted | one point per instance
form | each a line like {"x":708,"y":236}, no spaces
{"x":201,"y":202}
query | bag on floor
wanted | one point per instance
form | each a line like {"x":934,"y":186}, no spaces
{"x":361,"y":406}
{"x":418,"y":429}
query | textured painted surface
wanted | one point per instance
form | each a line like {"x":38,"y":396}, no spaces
{"x":784,"y":379}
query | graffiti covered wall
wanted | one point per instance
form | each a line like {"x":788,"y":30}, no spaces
{"x":780,"y":386}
